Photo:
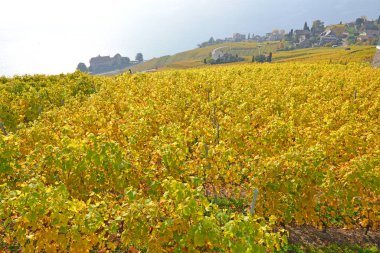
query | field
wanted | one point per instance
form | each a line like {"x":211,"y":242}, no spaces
{"x":217,"y":159}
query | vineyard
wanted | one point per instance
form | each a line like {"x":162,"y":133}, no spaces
{"x":218,"y":159}
{"x":195,"y":58}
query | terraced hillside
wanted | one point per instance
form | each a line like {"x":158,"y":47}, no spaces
{"x":194,"y":58}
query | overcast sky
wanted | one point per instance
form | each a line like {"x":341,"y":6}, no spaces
{"x":46,"y":36}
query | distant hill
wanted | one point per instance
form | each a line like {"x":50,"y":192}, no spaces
{"x":195,"y":57}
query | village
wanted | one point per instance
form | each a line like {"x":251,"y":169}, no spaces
{"x":360,"y":32}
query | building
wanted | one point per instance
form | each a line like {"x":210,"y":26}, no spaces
{"x":345,"y":34}
{"x":373,"y":34}
{"x":275,"y":37}
{"x":302,"y":35}
{"x":362,"y":38}
{"x":239,"y":37}
{"x":328,"y":37}
{"x":103,"y":64}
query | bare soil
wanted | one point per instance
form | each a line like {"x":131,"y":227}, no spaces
{"x":310,"y":236}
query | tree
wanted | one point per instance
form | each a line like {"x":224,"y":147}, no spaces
{"x":289,"y":36}
{"x":139,"y":57}
{"x":126,"y":60}
{"x":211,"y":40}
{"x":306,"y":27}
{"x":269,"y":58}
{"x":318,"y":27}
{"x":260,"y":58}
{"x":359,"y":22}
{"x":82,"y":67}
{"x":378,"y":20}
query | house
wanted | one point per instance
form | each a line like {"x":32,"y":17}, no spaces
{"x":373,"y":34}
{"x":258,"y":38}
{"x":328,"y":37}
{"x":239,"y":37}
{"x":331,"y":38}
{"x":302,"y":35}
{"x":274,"y":37}
{"x":103,"y":64}
{"x":101,"y":61}
{"x":337,"y":30}
{"x":362,"y":38}
{"x":345,"y":34}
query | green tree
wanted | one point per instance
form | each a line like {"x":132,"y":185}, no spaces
{"x":318,"y":27}
{"x":306,"y":27}
{"x":211,"y":40}
{"x":139,"y":57}
{"x":359,"y":22}
{"x":289,"y":36}
{"x":269,"y":58}
{"x":82,"y":67}
{"x":260,"y":58}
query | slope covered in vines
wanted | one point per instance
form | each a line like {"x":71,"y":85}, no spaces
{"x":171,"y":161}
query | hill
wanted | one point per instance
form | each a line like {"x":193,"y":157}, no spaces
{"x":361,"y":54}
{"x":194,"y":58}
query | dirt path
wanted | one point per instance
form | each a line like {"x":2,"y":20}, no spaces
{"x":309,"y":236}
{"x":376,"y":59}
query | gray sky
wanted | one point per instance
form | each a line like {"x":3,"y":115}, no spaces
{"x":46,"y":36}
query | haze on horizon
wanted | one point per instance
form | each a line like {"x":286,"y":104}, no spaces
{"x":52,"y":37}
